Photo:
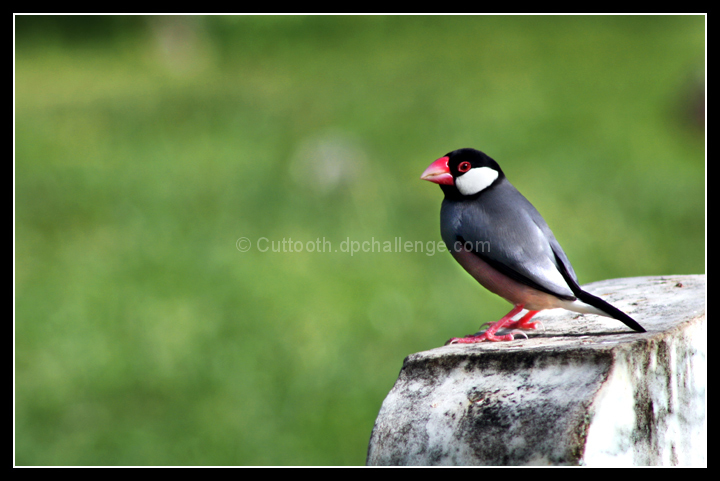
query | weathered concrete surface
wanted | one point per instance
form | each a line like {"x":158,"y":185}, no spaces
{"x":586,"y":391}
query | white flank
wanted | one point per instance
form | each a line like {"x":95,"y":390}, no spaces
{"x":579,"y":306}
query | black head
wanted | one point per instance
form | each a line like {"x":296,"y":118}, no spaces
{"x":464,"y":172}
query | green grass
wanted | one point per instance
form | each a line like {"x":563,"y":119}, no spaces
{"x":146,"y":147}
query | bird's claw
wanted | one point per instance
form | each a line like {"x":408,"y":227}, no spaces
{"x":516,"y":331}
{"x":481,"y":338}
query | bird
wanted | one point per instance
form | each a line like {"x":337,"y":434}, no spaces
{"x":503,"y":242}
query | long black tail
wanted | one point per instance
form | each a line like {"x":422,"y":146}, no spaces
{"x":594,"y":301}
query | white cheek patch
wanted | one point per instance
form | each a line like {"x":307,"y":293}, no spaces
{"x":475,"y":180}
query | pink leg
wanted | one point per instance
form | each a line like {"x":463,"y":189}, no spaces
{"x":489,"y":335}
{"x":524,"y":322}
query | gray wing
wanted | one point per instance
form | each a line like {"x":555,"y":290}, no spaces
{"x":505,"y":230}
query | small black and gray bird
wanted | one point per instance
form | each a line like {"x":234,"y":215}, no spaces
{"x":497,"y":235}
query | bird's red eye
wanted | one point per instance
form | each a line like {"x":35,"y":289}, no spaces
{"x":464,"y":167}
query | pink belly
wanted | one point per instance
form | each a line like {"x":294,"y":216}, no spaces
{"x":505,"y":287}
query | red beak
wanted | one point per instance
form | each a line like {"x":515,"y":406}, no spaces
{"x":439,"y":172}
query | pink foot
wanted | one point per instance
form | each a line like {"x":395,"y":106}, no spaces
{"x":524,"y":322}
{"x":506,"y":321}
{"x":480,"y":338}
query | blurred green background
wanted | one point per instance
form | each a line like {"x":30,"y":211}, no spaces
{"x":147,"y":146}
